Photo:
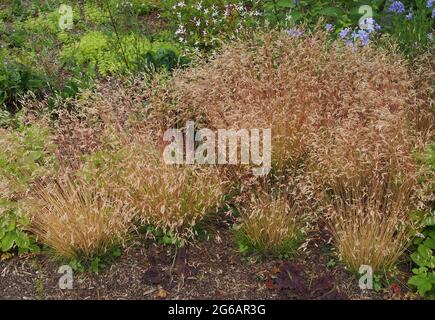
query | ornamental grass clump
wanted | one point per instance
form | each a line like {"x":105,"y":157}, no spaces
{"x":78,"y":220}
{"x":270,"y":225}
{"x":297,"y":86}
{"x":367,"y":187}
{"x":345,"y":123}
{"x":171,"y":198}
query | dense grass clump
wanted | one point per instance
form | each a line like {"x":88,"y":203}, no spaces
{"x":270,"y":226}
{"x":171,"y":198}
{"x":345,"y":123}
{"x":78,"y":220}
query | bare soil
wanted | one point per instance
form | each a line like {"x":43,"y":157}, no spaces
{"x":212,"y":269}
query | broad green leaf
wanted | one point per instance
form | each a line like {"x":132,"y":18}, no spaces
{"x":422,"y":282}
{"x":430,"y":243}
{"x":418,"y":259}
{"x":424,"y":251}
{"x":8,"y":241}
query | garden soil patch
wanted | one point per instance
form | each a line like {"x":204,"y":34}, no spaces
{"x":213,"y":269}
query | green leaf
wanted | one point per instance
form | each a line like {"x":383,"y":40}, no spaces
{"x":424,"y":251}
{"x":418,"y":259}
{"x":116,"y":252}
{"x":22,"y":241}
{"x":429,"y":221}
{"x":8,"y":241}
{"x":34,"y":248}
{"x":430,"y":243}
{"x":296,"y":16}
{"x":422,"y":282}
{"x":95,"y":265}
{"x":11,"y":225}
{"x":24,"y":220}
{"x":420,"y":270}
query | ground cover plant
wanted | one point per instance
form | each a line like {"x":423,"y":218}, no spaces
{"x":88,"y":90}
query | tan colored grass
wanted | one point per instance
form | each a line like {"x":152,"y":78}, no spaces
{"x":172,"y":198}
{"x":367,"y":188}
{"x":271,"y":225}
{"x":296,"y":86}
{"x":78,"y":220}
{"x":343,"y":123}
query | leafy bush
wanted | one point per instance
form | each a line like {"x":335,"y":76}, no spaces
{"x":103,"y":54}
{"x":424,"y":244}
{"x":412,"y":26}
{"x":26,"y":155}
{"x":16,"y":80}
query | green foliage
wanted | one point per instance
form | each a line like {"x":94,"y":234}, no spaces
{"x":411,"y":30}
{"x":423,"y":255}
{"x":104,"y":54}
{"x":12,"y":223}
{"x":26,"y":154}
{"x":16,"y":79}
{"x":424,"y":258}
{"x":96,"y":264}
{"x":162,"y":237}
{"x":202,"y":25}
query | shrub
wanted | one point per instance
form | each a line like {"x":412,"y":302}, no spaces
{"x":424,"y":258}
{"x":413,"y":27}
{"x":16,"y":80}
{"x":26,"y":155}
{"x":270,"y":225}
{"x":105,"y":54}
{"x":79,"y":220}
{"x":422,"y":253}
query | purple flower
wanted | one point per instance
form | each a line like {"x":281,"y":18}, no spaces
{"x":430,"y":3}
{"x":433,"y":13}
{"x":397,"y":7}
{"x":410,"y":16}
{"x":343,"y":33}
{"x":349,"y":43}
{"x":362,"y":36}
{"x":296,"y":2}
{"x":328,"y":27}
{"x":294,"y":32}
{"x":370,"y":25}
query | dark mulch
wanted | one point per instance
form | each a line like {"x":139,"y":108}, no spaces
{"x":212,"y":269}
